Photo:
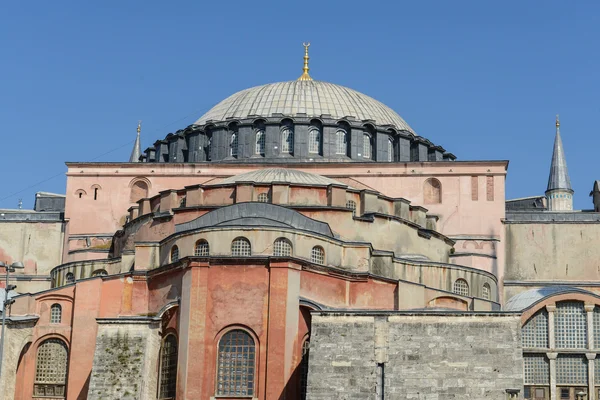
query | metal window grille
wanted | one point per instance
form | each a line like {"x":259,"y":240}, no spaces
{"x":174,"y":254}
{"x":596,"y":324}
{"x":233,"y":151}
{"x":461,"y":287}
{"x":366,"y":146}
{"x":571,"y":369}
{"x":341,"y":142}
{"x":55,"y":314}
{"x":263,"y":198}
{"x":168,"y":368}
{"x":570,"y":326}
{"x":51,"y":369}
{"x":304,"y":369}
{"x":241,"y":247}
{"x":314,"y":141}
{"x":260,"y":142}
{"x":70,"y":277}
{"x":317,"y":255}
{"x":236,"y":364}
{"x":537,"y":369}
{"x":282,"y":247}
{"x":390,"y":149}
{"x":597,"y":372}
{"x":535,"y":331}
{"x":486,"y":292}
{"x":287,"y":141}
{"x":202,"y":248}
{"x":351,"y":205}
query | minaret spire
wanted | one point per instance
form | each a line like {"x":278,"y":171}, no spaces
{"x":559,"y":191}
{"x":137,"y":147}
{"x":305,"y":76}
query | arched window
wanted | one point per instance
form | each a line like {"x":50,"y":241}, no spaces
{"x":304,"y":369}
{"x":51,"y":369}
{"x":341,"y":143}
{"x":70,"y":278}
{"x":317,"y":255}
{"x":168,"y":368}
{"x":282,"y":247}
{"x":390,"y":150}
{"x":432,"y":191}
{"x":174,"y":254}
{"x":139,"y":190}
{"x":263,"y":198}
{"x":202,"y":249}
{"x":236,"y":364}
{"x":486,"y":292}
{"x":233,"y":147}
{"x":55,"y":314}
{"x":314,"y":141}
{"x":287,"y":140}
{"x":461,"y":287}
{"x":100,"y":272}
{"x":534,"y":334}
{"x":367,"y":146}
{"x":351,"y":205}
{"x":241,"y":247}
{"x":260,"y":142}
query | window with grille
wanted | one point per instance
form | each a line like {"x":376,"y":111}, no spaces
{"x":461,"y":287}
{"x":432,"y":191}
{"x":390,"y":150}
{"x":571,"y":369}
{"x":55,"y":314}
{"x":597,"y":372}
{"x":596,"y":323}
{"x":287,"y":141}
{"x":537,"y":369}
{"x":314,"y":141}
{"x":241,"y":247}
{"x":341,"y":144}
{"x":367,"y":147}
{"x":202,"y":249}
{"x":282,"y":247}
{"x":233,"y":151}
{"x":236,"y":364}
{"x":570,"y":327}
{"x":304,"y":369}
{"x":534,"y":333}
{"x":168,"y":368}
{"x":486,"y":292}
{"x":263,"y":198}
{"x":51,"y":369}
{"x":100,"y":272}
{"x":174,"y":254}
{"x":260,"y":142}
{"x":351,"y":205}
{"x":70,"y":277}
{"x":317,"y":255}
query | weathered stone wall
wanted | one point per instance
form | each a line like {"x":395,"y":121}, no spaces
{"x":125,"y":361}
{"x":424,"y":356}
{"x":17,"y":336}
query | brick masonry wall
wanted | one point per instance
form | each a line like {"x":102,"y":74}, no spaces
{"x":428,"y":357}
{"x":125,"y":362}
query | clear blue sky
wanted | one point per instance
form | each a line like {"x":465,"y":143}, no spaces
{"x":483,"y":79}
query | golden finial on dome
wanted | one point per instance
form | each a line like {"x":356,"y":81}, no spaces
{"x":557,"y":121}
{"x":139,"y":128}
{"x":305,"y":76}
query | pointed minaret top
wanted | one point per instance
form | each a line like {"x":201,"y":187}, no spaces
{"x":137,"y":147}
{"x":559,"y":175}
{"x":305,"y":76}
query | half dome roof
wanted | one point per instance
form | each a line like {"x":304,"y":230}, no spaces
{"x":313,"y":98}
{"x":284,"y":175}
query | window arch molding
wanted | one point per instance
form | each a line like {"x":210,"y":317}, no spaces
{"x":432,"y":191}
{"x":139,"y":188}
{"x":218,"y":339}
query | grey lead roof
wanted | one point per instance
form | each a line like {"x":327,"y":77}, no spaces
{"x":559,"y":175}
{"x":270,"y":175}
{"x":137,"y":150}
{"x":314,"y":98}
{"x":524,"y":300}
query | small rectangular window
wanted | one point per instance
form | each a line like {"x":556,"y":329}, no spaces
{"x":474,"y":188}
{"x":490,"y":188}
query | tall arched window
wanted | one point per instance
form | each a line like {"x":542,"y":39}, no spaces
{"x":390,"y":150}
{"x":233,"y":147}
{"x":260,"y":142}
{"x":241,"y":247}
{"x":314,"y":141}
{"x":351,"y":205}
{"x":367,"y":146}
{"x":70,"y":278}
{"x":282,"y":247}
{"x":51,"y":369}
{"x":55,"y":314}
{"x":236,"y":364}
{"x":486,"y":291}
{"x":168,"y":368}
{"x":304,"y":369}
{"x":317,"y":255}
{"x":432,"y":191}
{"x":341,"y":143}
{"x":287,"y":140}
{"x":174,"y":254}
{"x":461,"y":287}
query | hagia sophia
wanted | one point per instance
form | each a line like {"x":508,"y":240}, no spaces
{"x":301,"y":241}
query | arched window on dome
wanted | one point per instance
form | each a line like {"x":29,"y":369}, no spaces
{"x":174,"y":254}
{"x":233,"y":146}
{"x":390,"y":150}
{"x":208,"y":147}
{"x":341,"y":142}
{"x":314,"y":141}
{"x":461,"y":287}
{"x":432,"y":191}
{"x":317,"y":255}
{"x":70,"y":278}
{"x":202,"y":248}
{"x":282,"y":247}
{"x":260,"y":142}
{"x":367,"y":146}
{"x":486,"y":291}
{"x":287,"y":140}
{"x":241,"y":247}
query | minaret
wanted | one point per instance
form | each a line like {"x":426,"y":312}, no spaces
{"x":559,"y":193}
{"x":137,"y":147}
{"x":305,"y":76}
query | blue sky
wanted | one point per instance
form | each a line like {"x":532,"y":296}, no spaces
{"x":483,"y":79}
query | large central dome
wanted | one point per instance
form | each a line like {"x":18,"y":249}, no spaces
{"x":313,"y":98}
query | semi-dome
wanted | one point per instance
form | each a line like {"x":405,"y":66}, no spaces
{"x":313,"y":98}
{"x":284,"y":175}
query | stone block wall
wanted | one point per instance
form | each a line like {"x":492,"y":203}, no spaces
{"x":125,"y":361}
{"x":425,"y":356}
{"x":18,"y":334}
